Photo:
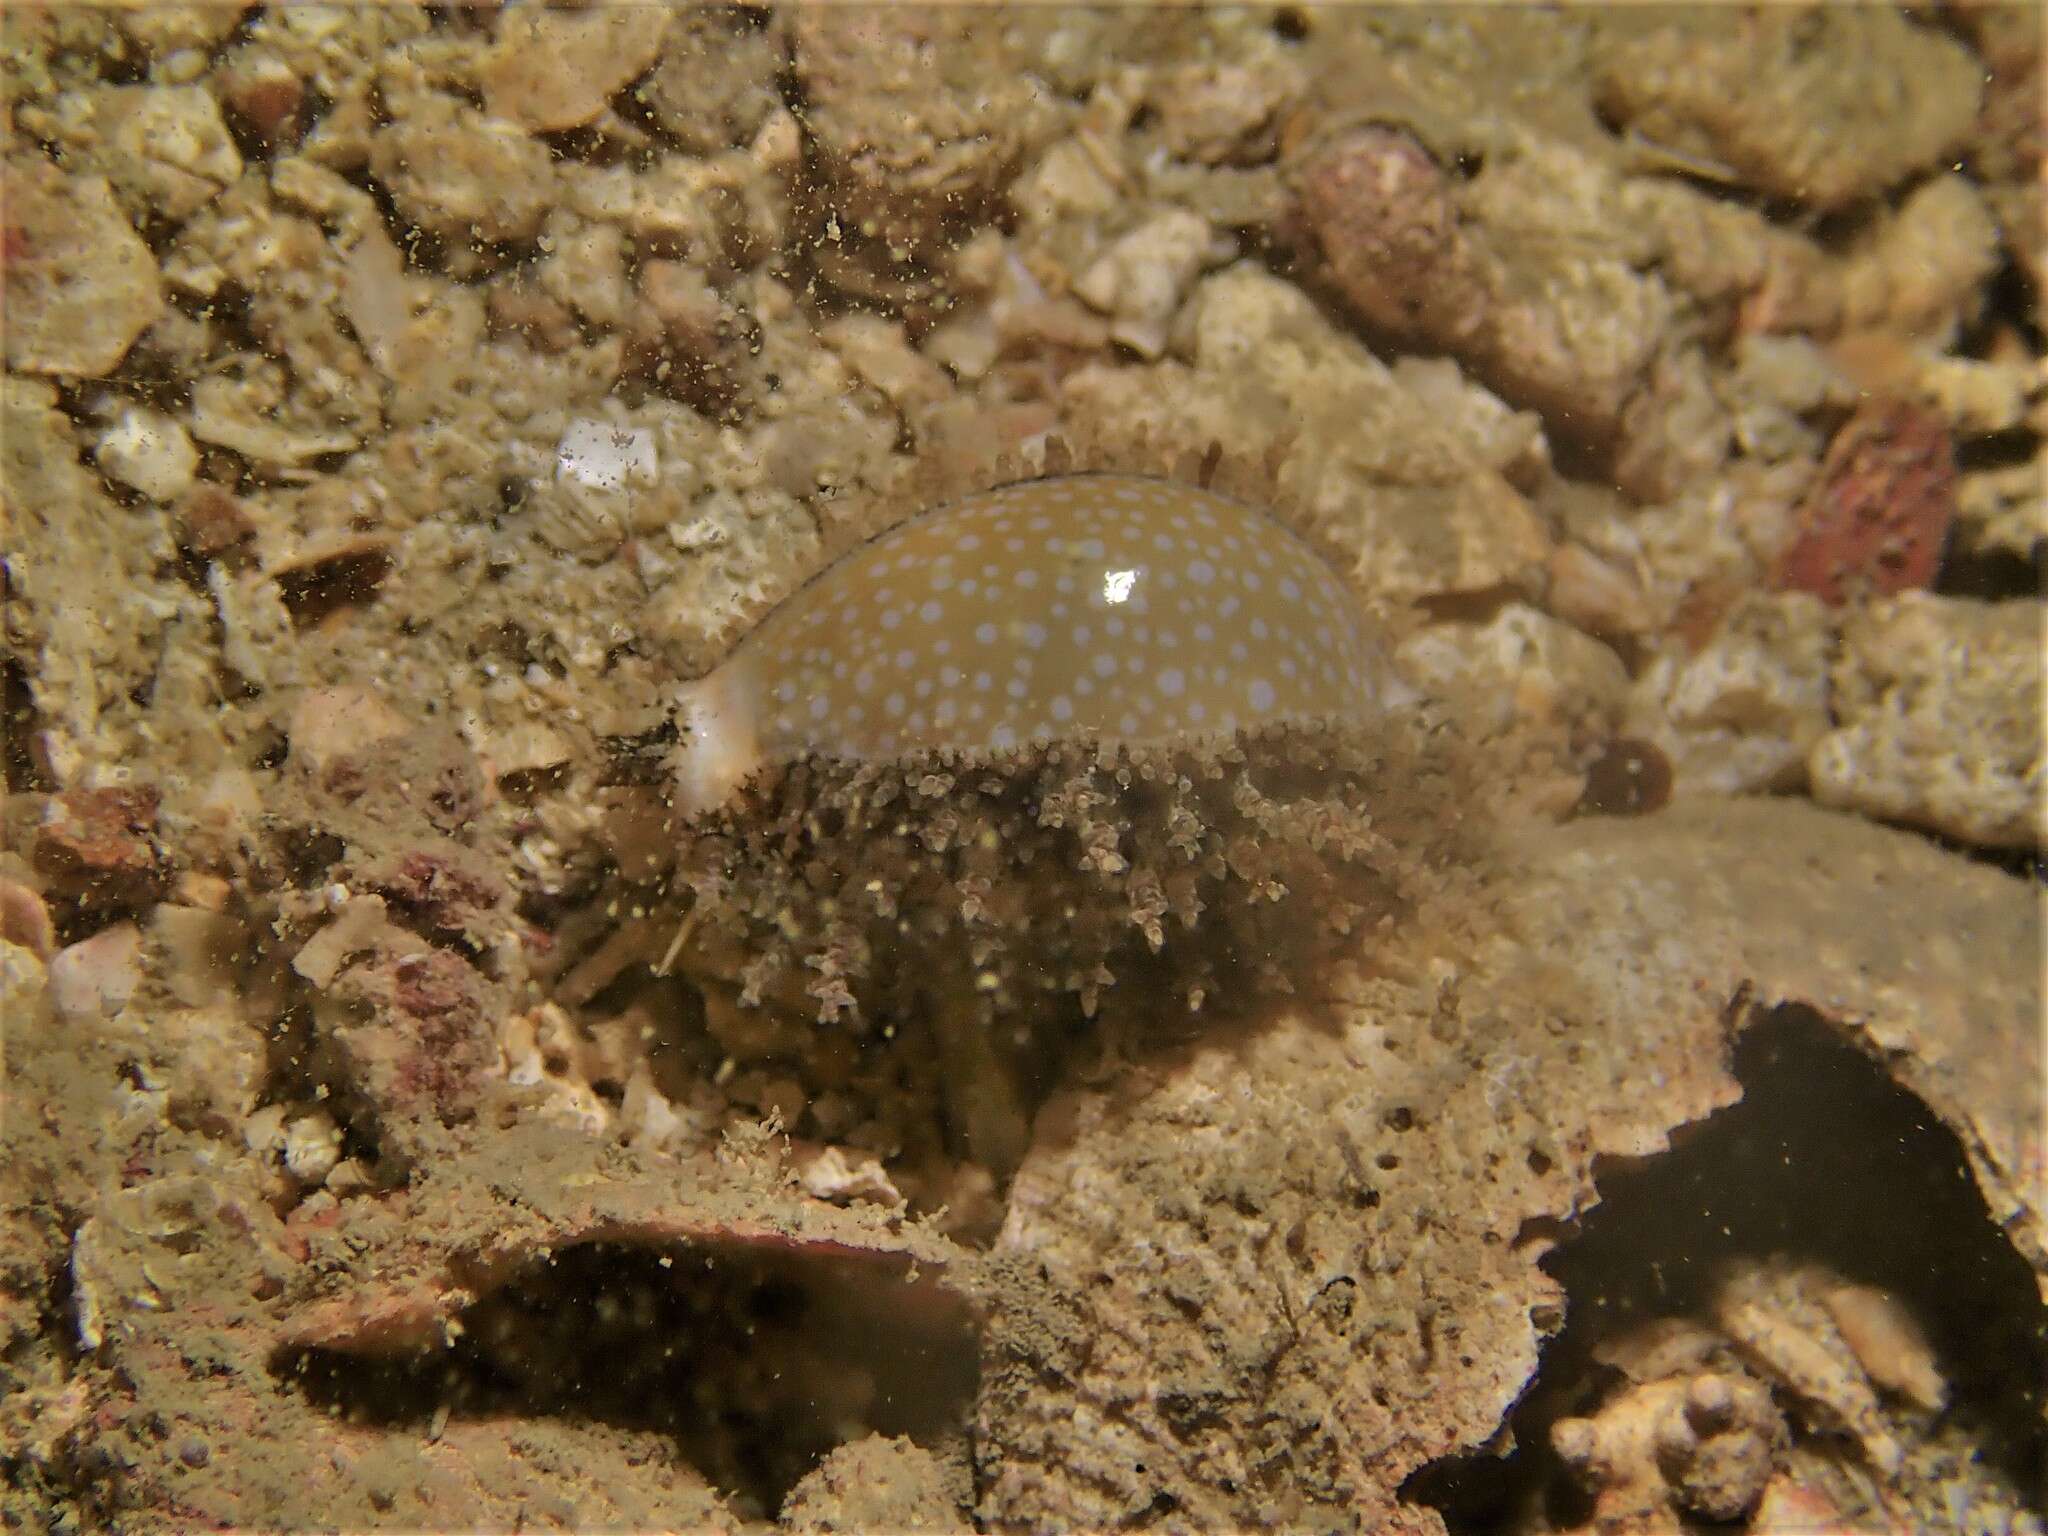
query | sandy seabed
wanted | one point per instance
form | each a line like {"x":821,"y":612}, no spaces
{"x":410,"y":1125}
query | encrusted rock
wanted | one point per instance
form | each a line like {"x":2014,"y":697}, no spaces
{"x":878,"y":1484}
{"x":716,"y":82}
{"x":1379,"y":471}
{"x":1824,"y":105}
{"x":1700,"y":1445}
{"x":424,"y":1046}
{"x":918,"y":114}
{"x":1552,"y":324}
{"x":1779,"y":1323}
{"x":1531,"y":687}
{"x":1937,"y":702}
{"x":1742,"y":712}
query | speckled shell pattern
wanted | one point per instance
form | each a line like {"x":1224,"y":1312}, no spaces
{"x":1087,"y":606}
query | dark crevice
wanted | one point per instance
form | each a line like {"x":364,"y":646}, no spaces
{"x":754,"y":1363}
{"x":314,"y":592}
{"x":19,"y":723}
{"x":1824,"y":1160}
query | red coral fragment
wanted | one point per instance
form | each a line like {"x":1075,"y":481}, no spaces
{"x":1876,"y":518}
{"x":101,"y":844}
{"x":448,"y":890}
{"x":427,"y":1044}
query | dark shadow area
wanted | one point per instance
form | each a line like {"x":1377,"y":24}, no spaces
{"x":347,"y":579}
{"x":19,"y":723}
{"x":755,"y":1363}
{"x":1824,"y":1160}
{"x":1995,"y":575}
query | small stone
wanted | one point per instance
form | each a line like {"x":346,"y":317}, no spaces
{"x":312,"y":1146}
{"x":165,"y":30}
{"x":1595,"y":594}
{"x":1628,"y":778}
{"x":263,"y":92}
{"x":166,"y":151}
{"x":148,"y":452}
{"x":1225,"y":113}
{"x":442,"y":887}
{"x":329,"y":724}
{"x":195,"y":952}
{"x":559,"y":69}
{"x":1142,"y":279}
{"x":1888,"y":1343}
{"x":96,"y":977}
{"x":80,"y":284}
{"x":428,"y":1047}
{"x":715,"y":85}
{"x":526,"y":750}
{"x":348,"y":1177}
{"x":230,"y":414}
{"x":685,"y":334}
{"x":831,"y":1175}
{"x":461,"y":175}
{"x":1520,"y":669}
{"x":1535,"y":316}
{"x":25,"y":919}
{"x":1772,"y":1315}
{"x":605,"y":456}
{"x":587,"y":271}
{"x":881,"y":354}
{"x":212,"y":521}
{"x":518,"y":306}
{"x":208,"y":893}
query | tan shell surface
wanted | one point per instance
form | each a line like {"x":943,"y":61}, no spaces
{"x":1113,"y":606}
